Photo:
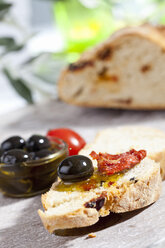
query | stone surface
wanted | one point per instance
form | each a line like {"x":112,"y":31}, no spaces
{"x":20,"y":226}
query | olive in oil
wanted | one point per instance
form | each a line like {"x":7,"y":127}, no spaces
{"x":33,"y":177}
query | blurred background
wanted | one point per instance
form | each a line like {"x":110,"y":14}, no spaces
{"x":39,"y":37}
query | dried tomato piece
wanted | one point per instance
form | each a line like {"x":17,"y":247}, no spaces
{"x":110,"y":183}
{"x":92,"y":184}
{"x":110,"y":164}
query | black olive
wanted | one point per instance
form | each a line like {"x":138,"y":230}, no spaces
{"x":75,"y":168}
{"x":1,"y":152}
{"x":15,"y":156}
{"x":37,"y":143}
{"x":41,"y":154}
{"x":14,"y":142}
{"x":97,"y":203}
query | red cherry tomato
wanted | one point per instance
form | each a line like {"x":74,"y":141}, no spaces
{"x":74,"y":140}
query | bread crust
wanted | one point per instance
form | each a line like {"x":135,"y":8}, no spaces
{"x":140,"y":195}
{"x":160,"y":158}
{"x":153,"y":34}
{"x":80,"y":218}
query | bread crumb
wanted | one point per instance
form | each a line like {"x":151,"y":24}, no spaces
{"x":92,"y":235}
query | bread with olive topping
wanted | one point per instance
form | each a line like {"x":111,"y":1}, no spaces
{"x":125,"y":71}
{"x":135,"y":188}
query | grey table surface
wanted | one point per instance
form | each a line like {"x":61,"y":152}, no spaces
{"x":20,"y":225}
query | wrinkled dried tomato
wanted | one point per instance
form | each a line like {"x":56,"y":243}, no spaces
{"x":110,"y":164}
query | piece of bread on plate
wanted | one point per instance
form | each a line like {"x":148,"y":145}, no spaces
{"x":122,"y":139}
{"x":68,"y":206}
{"x":125,"y":71}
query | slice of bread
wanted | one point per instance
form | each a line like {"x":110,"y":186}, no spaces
{"x":125,"y":71}
{"x":136,"y":188}
{"x":122,"y":139}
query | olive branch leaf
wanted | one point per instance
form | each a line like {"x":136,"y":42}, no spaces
{"x":4,"y":8}
{"x":20,"y":86}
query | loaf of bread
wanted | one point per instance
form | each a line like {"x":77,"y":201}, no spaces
{"x":125,"y":71}
{"x":133,"y":189}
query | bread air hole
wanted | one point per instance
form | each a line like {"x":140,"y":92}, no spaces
{"x":78,"y":92}
{"x":145,"y":68}
{"x":124,"y":101}
{"x":105,"y":53}
{"x":103,"y":75}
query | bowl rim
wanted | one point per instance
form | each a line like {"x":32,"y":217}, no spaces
{"x":52,"y":156}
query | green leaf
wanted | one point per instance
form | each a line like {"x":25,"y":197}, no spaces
{"x":31,"y":59}
{"x":4,"y":8}
{"x":10,"y":44}
{"x":7,"y":42}
{"x":20,"y":86}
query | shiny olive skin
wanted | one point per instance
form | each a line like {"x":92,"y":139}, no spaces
{"x":40,"y":154}
{"x":37,"y":143}
{"x":15,"y":156}
{"x":14,"y":142}
{"x":75,"y":168}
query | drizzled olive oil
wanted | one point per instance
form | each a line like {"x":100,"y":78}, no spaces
{"x":96,"y":180}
